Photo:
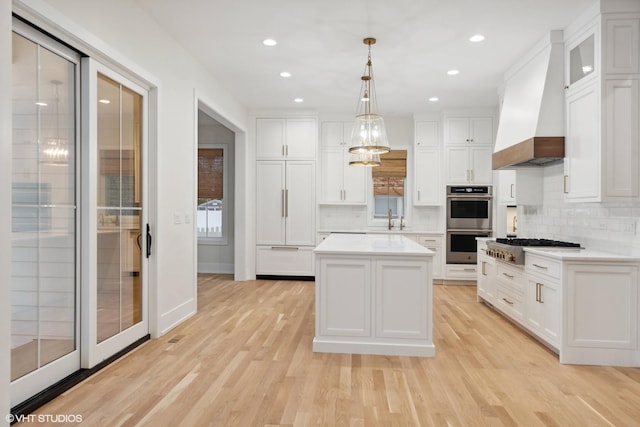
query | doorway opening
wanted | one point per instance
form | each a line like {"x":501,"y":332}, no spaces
{"x":215,"y":195}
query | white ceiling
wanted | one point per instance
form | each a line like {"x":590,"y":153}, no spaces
{"x":320,"y":43}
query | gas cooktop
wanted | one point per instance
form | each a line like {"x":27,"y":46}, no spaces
{"x":536,"y":242}
{"x":511,"y":249}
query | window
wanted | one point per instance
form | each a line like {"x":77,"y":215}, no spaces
{"x":211,"y":190}
{"x":389,"y":182}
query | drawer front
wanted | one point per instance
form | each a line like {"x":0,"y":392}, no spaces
{"x":540,"y":265}
{"x":509,"y":302}
{"x":429,"y":241}
{"x":285,"y":260}
{"x":511,"y":277}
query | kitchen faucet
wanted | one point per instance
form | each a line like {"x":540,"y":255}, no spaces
{"x":390,"y":219}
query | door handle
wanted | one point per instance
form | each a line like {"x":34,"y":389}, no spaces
{"x":286,"y":203}
{"x":149,"y":240}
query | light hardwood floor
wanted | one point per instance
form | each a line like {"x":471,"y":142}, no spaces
{"x":245,"y":360}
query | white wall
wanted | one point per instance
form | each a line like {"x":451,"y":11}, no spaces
{"x":5,"y":205}
{"x":123,"y":34}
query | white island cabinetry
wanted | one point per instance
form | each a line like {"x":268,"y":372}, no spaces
{"x":373,"y":296}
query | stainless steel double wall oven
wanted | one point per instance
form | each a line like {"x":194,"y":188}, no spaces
{"x":469,"y":215}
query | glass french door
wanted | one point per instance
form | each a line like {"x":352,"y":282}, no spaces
{"x":116,"y":234}
{"x":44,"y":219}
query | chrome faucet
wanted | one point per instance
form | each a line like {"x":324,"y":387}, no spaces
{"x":401,"y":222}
{"x":390,"y":219}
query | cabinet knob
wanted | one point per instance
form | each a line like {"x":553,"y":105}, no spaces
{"x":566,"y":87}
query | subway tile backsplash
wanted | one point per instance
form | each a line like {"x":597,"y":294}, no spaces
{"x":610,"y":227}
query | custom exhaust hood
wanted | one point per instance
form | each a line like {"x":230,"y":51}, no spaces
{"x":531,"y":127}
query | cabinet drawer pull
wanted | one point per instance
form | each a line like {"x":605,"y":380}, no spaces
{"x":418,"y":194}
{"x":507,"y":301}
{"x":469,"y":269}
{"x":285,"y":248}
{"x":508,"y":275}
{"x":564,"y":184}
{"x":541,"y":266}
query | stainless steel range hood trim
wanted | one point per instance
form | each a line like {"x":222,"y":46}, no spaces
{"x":536,"y":151}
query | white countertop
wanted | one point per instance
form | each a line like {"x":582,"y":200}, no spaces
{"x":371,"y":244}
{"x":395,"y":230}
{"x":577,"y":254}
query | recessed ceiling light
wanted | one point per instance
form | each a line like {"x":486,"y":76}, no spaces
{"x":453,"y":72}
{"x":269,"y":42}
{"x":104,"y":101}
{"x":476,"y":38}
{"x":41,"y":104}
{"x":298,"y":100}
{"x":285,"y":74}
{"x":434,"y":99}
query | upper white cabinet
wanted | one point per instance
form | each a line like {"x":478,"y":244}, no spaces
{"x":468,"y":130}
{"x":339,"y":182}
{"x":469,"y":148}
{"x":428,"y":154}
{"x":582,"y":145}
{"x":335,"y":134}
{"x":286,"y":138}
{"x":427,"y":134}
{"x":469,"y":165}
{"x":602,"y":142}
{"x":506,"y":187}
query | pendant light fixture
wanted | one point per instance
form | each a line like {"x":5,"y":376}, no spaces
{"x":55,"y":149}
{"x":369,"y":137}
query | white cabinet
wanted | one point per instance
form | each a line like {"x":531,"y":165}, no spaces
{"x":427,"y":171}
{"x":543,"y":308}
{"x":601,"y":303}
{"x":286,"y":138}
{"x":506,"y":187}
{"x":428,"y":190}
{"x":486,"y":281}
{"x":510,"y":290}
{"x":582,"y":145}
{"x":433,"y":243}
{"x":285,"y":203}
{"x":339,"y":182}
{"x":468,"y":143}
{"x":374,"y":295}
{"x":335,"y":134}
{"x":468,"y":130}
{"x":602,"y":143}
{"x":469,"y":165}
{"x":285,"y":216}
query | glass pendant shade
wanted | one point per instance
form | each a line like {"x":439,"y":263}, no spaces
{"x":368,"y":159}
{"x":369,"y":135}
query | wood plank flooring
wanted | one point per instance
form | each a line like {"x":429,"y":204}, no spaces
{"x":245,"y":360}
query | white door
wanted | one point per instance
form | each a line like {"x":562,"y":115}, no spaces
{"x":45,"y":346}
{"x":427,"y":177}
{"x":115,"y":227}
{"x":270,"y":190}
{"x":458,"y":165}
{"x":300,"y":203}
{"x":481,"y":171}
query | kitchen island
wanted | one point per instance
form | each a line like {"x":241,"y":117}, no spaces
{"x":374,"y":296}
